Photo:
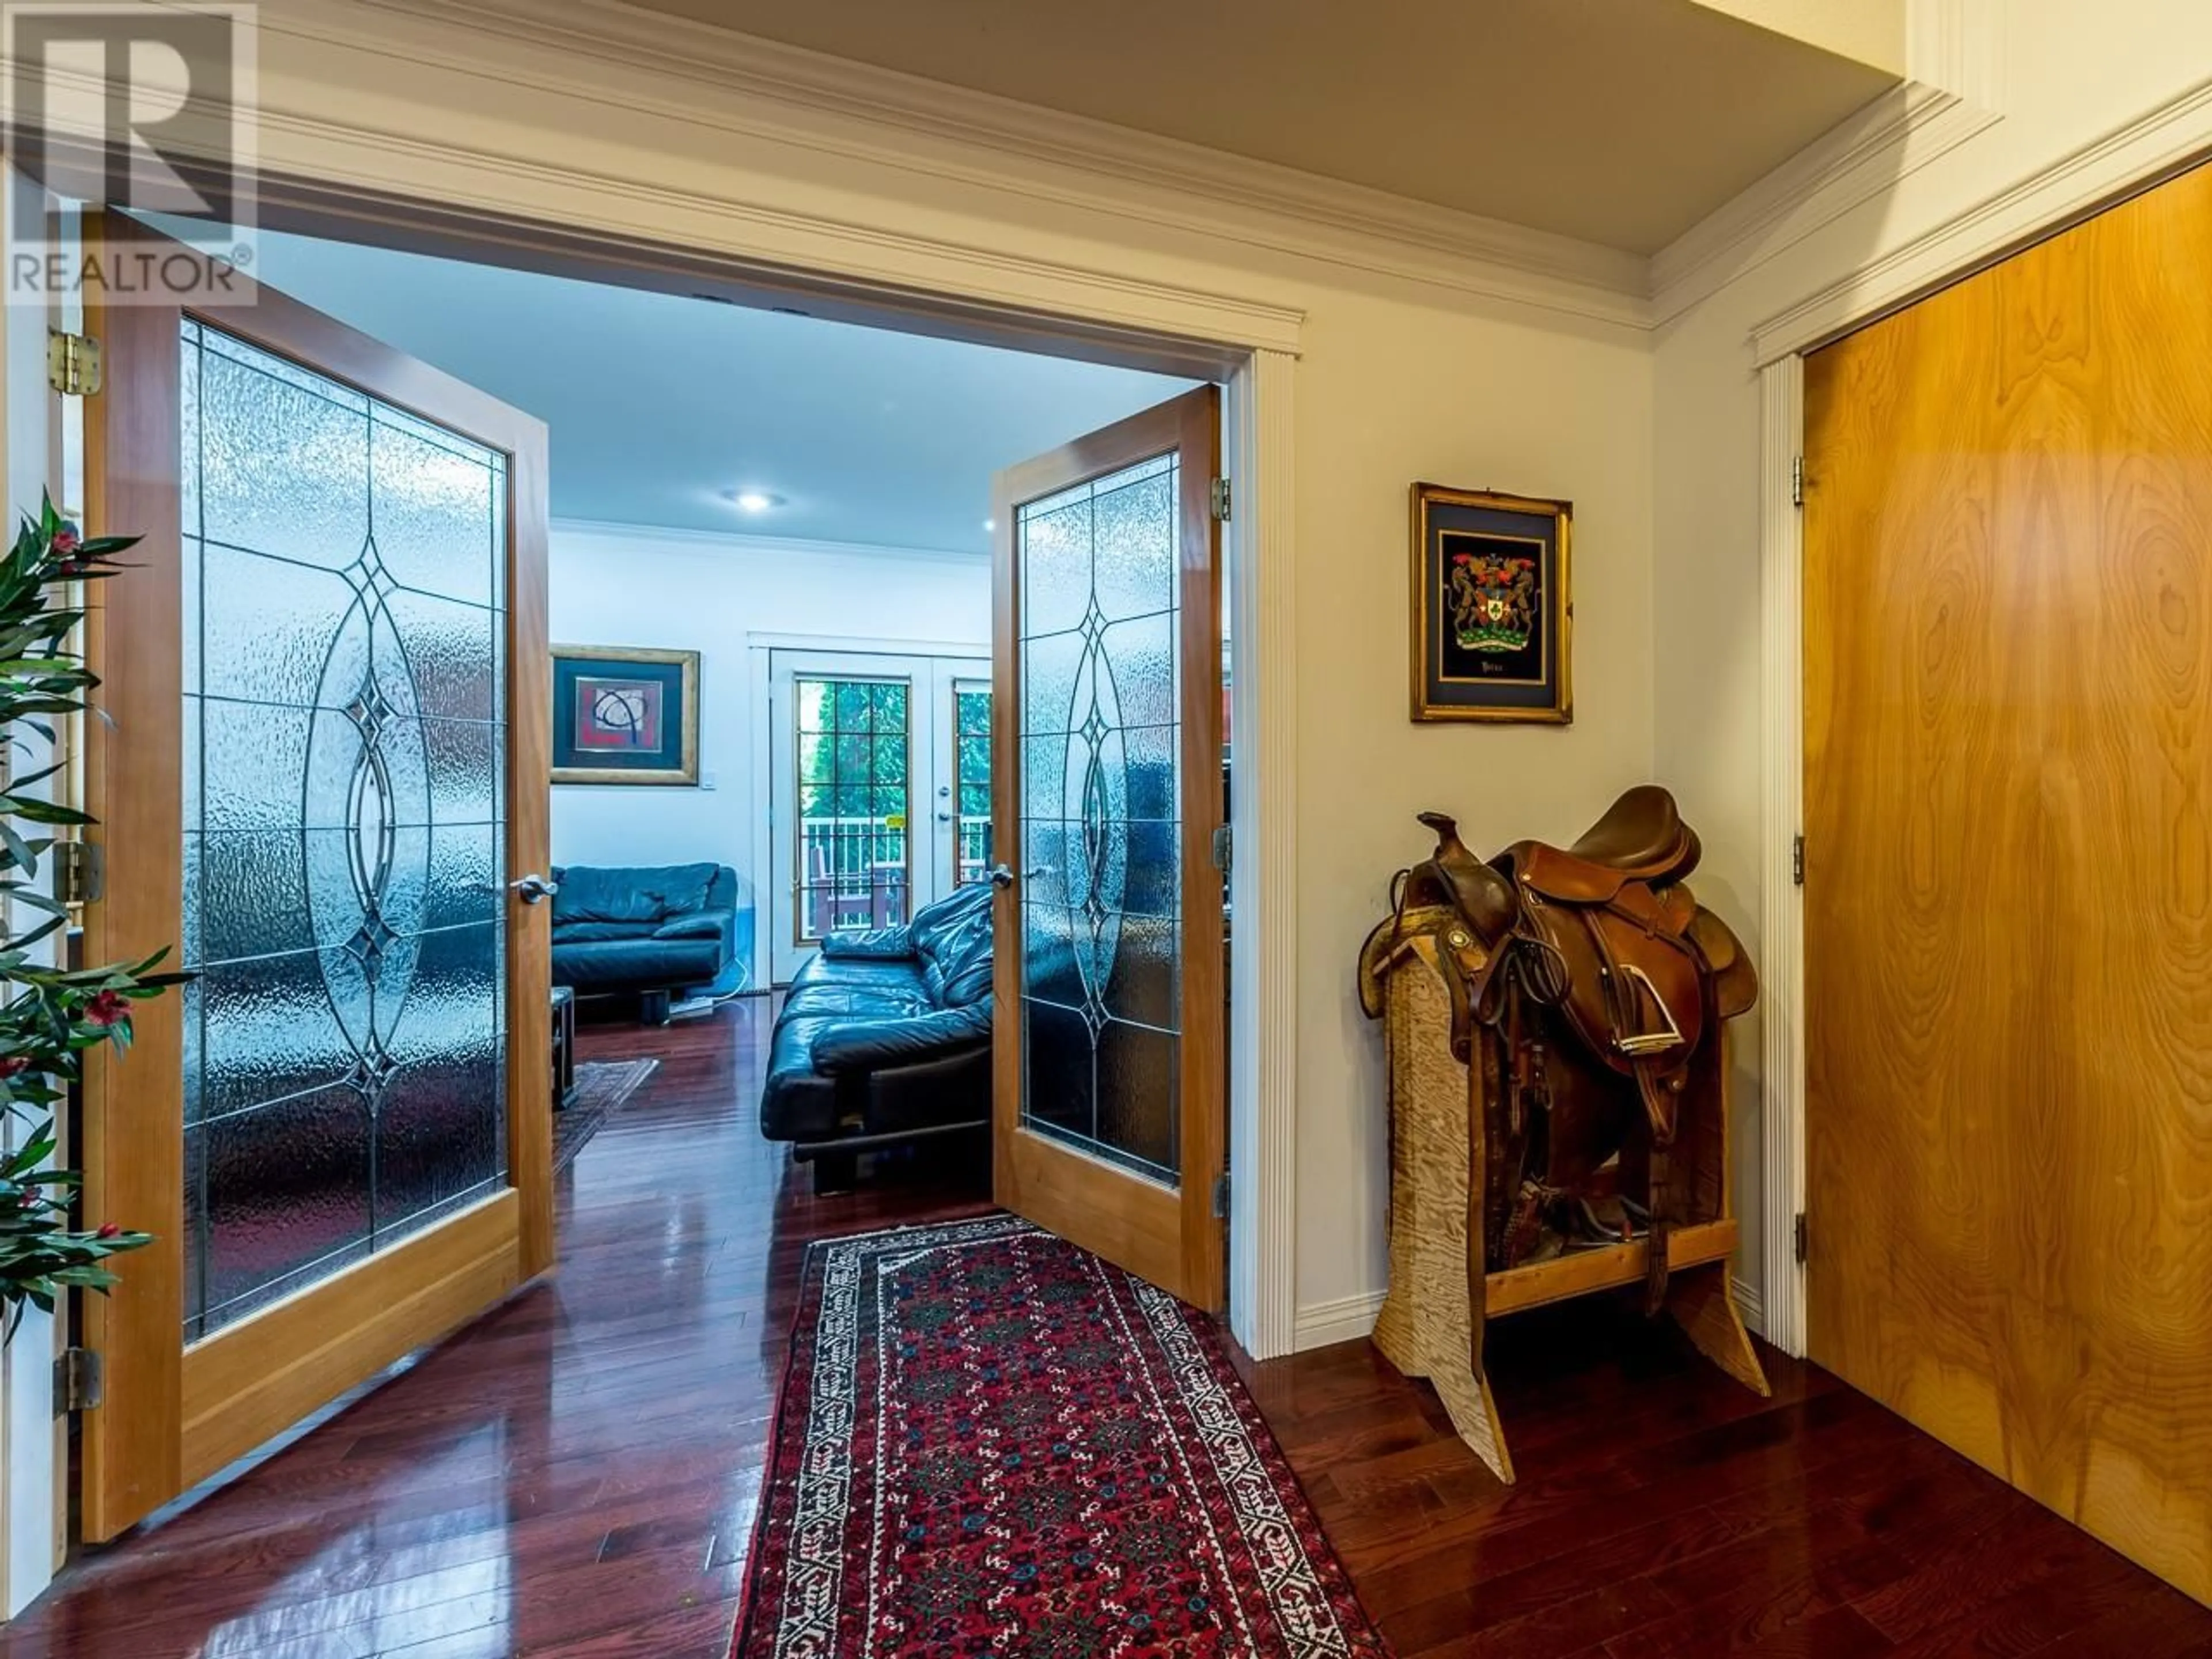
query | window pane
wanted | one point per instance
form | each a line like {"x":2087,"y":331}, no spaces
{"x":852,"y":868}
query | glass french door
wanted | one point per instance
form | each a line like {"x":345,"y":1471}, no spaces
{"x":870,"y":809}
{"x":325,"y":787}
{"x":1109,"y":1124}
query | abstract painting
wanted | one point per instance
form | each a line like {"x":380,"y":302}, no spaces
{"x":625,"y":715}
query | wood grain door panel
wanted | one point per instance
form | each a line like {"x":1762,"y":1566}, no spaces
{"x":2007,"y":659}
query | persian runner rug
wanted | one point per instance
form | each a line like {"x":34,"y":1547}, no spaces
{"x":991,"y":1443}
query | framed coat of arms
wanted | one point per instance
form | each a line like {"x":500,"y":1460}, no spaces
{"x":1492,"y":633}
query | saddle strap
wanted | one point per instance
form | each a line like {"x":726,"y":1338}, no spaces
{"x":1659,"y":1235}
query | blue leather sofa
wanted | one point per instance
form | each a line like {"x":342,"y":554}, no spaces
{"x":645,"y":932}
{"x":885,"y":1038}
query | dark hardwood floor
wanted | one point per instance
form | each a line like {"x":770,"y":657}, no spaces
{"x":575,"y":1475}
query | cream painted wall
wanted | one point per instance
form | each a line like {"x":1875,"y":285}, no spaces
{"x":1391,"y":392}
{"x":2067,"y":74}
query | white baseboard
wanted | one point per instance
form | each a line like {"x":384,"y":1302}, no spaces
{"x":1345,"y":1320}
{"x":1747,"y":1304}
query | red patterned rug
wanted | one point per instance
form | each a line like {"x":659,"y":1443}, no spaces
{"x":992,"y":1443}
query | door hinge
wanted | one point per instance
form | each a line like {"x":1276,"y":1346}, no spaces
{"x":72,"y":363}
{"x":1218,"y":494}
{"x":1800,"y":1238}
{"x":1224,"y":848}
{"x":80,"y":872}
{"x":80,"y":1381}
{"x":1221,"y":1196}
{"x":1798,"y":481}
{"x":1797,"y":860}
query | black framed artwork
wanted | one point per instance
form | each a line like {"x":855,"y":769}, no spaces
{"x":625,"y":715}
{"x":1492,"y":622}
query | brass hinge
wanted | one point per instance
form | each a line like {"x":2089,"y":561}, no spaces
{"x":72,"y":363}
{"x":80,"y":1381}
{"x":1797,"y":860}
{"x":1223,"y":849}
{"x":1218,"y":494}
{"x":80,"y":872}
{"x":1800,"y":1238}
{"x":1221,"y":1196}
{"x":1798,"y":481}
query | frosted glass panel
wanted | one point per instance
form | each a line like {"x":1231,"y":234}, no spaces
{"x":1101,"y":975}
{"x":344,"y":814}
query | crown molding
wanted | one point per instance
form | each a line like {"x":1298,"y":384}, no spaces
{"x":2129,"y":158}
{"x":785,"y":96}
{"x":1897,"y":134}
{"x":739,"y":541}
{"x":1956,"y":61}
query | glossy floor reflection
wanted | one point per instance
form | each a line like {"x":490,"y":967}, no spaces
{"x":576,"y":1474}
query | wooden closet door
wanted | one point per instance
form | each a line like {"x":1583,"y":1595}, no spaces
{"x":2008,"y":636}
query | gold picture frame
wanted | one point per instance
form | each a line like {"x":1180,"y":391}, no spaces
{"x":652,"y":743}
{"x":1492,"y":608}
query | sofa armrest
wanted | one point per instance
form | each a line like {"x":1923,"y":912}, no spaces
{"x":699,"y":923}
{"x":876,"y":945}
{"x":870,"y":1045}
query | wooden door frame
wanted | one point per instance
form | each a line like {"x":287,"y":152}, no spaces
{"x":179,"y":1417}
{"x":414,"y":193}
{"x":1139,"y":1215}
{"x":2071,"y":190}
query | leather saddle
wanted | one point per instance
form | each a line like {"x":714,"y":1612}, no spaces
{"x":1604,"y":938}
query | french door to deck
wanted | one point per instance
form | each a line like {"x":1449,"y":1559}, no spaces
{"x":1109,"y":1082}
{"x":325,"y":787}
{"x":880,"y":790}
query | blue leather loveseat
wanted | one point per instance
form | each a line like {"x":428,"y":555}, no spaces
{"x":883,"y":1038}
{"x":645,"y":932}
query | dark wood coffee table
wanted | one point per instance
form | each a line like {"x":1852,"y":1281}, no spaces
{"x":564,"y":1046}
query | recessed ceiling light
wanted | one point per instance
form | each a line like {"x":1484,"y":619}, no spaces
{"x":752,"y":500}
{"x":990,"y":524}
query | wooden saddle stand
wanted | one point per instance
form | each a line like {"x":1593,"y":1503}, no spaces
{"x":1556,"y":1025}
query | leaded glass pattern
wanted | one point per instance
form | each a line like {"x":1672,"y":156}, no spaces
{"x":344,"y":567}
{"x":1101,"y":809}
{"x":855,"y":750}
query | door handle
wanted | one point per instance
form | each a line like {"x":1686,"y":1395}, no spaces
{"x":1000,"y":876}
{"x":534,"y":889}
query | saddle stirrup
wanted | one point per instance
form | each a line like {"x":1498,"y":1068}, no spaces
{"x":1648,"y":1043}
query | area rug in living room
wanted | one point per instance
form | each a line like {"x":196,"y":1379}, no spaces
{"x":602,"y":1086}
{"x":989,"y":1442}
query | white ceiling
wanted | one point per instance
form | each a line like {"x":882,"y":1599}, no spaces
{"x":658,"y":404}
{"x":1621,"y":122}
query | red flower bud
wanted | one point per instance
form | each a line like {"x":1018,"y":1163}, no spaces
{"x":108,"y":1008}
{"x":66,"y":539}
{"x":107,"y":1230}
{"x":13,"y":1065}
